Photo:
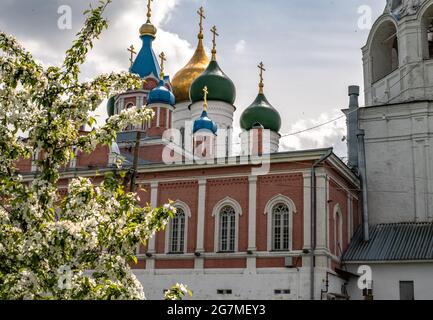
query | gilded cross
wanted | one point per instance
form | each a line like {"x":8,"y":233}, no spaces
{"x":131,"y":49}
{"x":206,"y":92}
{"x":261,"y":66}
{"x":163,"y":59}
{"x":200,"y":12}
{"x":215,"y":34}
{"x":149,"y":10}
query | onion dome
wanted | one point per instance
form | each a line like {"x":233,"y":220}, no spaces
{"x":184,"y":78}
{"x":261,"y":113}
{"x":148,"y":29}
{"x":161,"y":95}
{"x":110,"y":106}
{"x":146,"y":63}
{"x":221,"y":87}
{"x":205,"y":123}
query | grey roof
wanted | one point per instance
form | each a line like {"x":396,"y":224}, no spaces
{"x":392,"y":242}
{"x":127,"y":136}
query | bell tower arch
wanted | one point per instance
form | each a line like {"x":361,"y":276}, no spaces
{"x":395,"y":128}
{"x":398,"y":55}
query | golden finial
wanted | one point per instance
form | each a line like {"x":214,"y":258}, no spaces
{"x":206,"y":92}
{"x":149,"y":10}
{"x":261,"y":66}
{"x":131,"y":49}
{"x":200,"y":12}
{"x":163,"y":59}
{"x":215,"y":34}
{"x":148,"y":29}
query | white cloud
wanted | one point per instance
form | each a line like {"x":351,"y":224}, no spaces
{"x":38,"y":49}
{"x":109,"y":56}
{"x":330,"y":135}
{"x":240,"y":47}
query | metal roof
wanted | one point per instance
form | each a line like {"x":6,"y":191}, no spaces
{"x":392,"y":242}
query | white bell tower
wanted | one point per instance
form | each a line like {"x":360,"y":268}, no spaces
{"x":398,"y":117}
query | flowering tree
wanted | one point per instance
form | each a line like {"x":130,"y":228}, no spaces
{"x":79,"y":246}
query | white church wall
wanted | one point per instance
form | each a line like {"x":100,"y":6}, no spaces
{"x":387,"y":277}
{"x":220,"y":112}
{"x":399,"y":157}
{"x":181,"y":115}
{"x":260,"y":284}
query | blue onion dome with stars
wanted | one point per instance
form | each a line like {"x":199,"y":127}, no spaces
{"x":204,"y":122}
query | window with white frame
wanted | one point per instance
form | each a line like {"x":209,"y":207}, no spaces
{"x":280,"y":212}
{"x":177,"y":232}
{"x":227,"y":213}
{"x":280,"y":227}
{"x":227,"y":232}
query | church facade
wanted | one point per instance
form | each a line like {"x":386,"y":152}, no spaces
{"x":260,"y":224}
{"x":265,"y":224}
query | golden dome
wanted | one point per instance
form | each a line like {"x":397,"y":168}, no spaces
{"x":148,"y":29}
{"x":185,"y":77}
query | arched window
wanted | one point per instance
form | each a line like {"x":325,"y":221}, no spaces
{"x":280,"y":227}
{"x":227,"y":229}
{"x":226,"y":213}
{"x":427,"y":33}
{"x":177,"y":232}
{"x":280,"y":210}
{"x":338,"y":230}
{"x":384,"y":50}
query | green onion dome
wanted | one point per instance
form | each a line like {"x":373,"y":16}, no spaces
{"x":110,"y":106}
{"x":261,"y":112}
{"x":221,"y":87}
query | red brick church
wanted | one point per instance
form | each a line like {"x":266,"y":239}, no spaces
{"x":260,"y":224}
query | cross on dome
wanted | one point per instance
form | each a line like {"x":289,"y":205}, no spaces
{"x":131,"y":49}
{"x":200,"y":12}
{"x":215,"y":34}
{"x":206,"y":92}
{"x":261,"y":67}
{"x":163,"y":59}
{"x":149,"y":10}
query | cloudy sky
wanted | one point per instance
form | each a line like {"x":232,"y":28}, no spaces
{"x":311,"y":49}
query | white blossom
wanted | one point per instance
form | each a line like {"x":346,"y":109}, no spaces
{"x":80,"y":246}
